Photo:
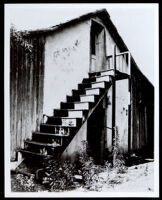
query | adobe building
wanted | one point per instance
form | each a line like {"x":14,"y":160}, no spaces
{"x":78,"y":83}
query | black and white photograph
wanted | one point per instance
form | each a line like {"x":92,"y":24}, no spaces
{"x":81,"y":100}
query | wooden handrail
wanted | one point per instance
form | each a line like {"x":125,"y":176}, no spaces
{"x":119,"y":54}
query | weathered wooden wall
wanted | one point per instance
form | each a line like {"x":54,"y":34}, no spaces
{"x":26,"y":90}
{"x":142,"y":95}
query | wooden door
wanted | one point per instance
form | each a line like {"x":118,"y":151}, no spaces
{"x":97,"y":47}
{"x":100,"y":51}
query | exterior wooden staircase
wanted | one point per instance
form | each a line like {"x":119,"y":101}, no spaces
{"x":58,"y":131}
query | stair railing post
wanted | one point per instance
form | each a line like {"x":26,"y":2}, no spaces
{"x":114,"y":58}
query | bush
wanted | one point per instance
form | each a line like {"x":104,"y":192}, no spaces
{"x":89,"y":169}
{"x":119,"y":164}
{"x":118,"y":159}
{"x":24,"y":183}
{"x":59,"y":176}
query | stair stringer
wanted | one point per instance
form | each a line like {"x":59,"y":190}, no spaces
{"x":76,"y":145}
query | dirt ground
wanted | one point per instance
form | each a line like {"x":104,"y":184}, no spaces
{"x":138,"y":178}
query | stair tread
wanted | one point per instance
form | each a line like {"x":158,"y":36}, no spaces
{"x":77,"y":102}
{"x":71,"y":109}
{"x":82,"y":95}
{"x":87,"y":95}
{"x":51,"y":134}
{"x":56,"y":125}
{"x":93,"y":88}
{"x":82,"y":102}
{"x":108,"y":70}
{"x":99,"y":76}
{"x":21,"y":171}
{"x":94,"y":82}
{"x":35,"y":154}
{"x":42,"y":143}
{"x":65,"y":117}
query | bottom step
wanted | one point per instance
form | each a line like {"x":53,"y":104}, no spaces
{"x":34,"y":168}
{"x":18,"y":171}
{"x":35,"y":154}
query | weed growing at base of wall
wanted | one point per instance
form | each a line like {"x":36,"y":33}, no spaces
{"x":118,"y":159}
{"x":59,"y":175}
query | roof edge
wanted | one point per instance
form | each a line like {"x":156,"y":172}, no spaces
{"x":65,"y":24}
{"x":104,"y":15}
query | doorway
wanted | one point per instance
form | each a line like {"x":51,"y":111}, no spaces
{"x":97,"y":47}
{"x":96,"y":134}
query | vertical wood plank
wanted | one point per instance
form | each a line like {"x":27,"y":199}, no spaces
{"x":26,"y":91}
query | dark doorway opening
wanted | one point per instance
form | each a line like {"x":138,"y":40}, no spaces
{"x":95,"y":134}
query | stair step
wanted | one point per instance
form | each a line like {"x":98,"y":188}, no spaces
{"x":73,"y":98}
{"x":78,"y":92}
{"x":30,"y":153}
{"x":50,"y":134}
{"x":109,"y":72}
{"x":83,"y":105}
{"x":55,"y":129}
{"x":67,"y":105}
{"x":103,"y":78}
{"x":69,"y":113}
{"x":81,"y":98}
{"x":64,"y":121}
{"x":96,"y":79}
{"x":42,"y":144}
{"x":84,"y":85}
{"x":18,"y":171}
{"x":74,"y":113}
{"x":94,"y":91}
{"x":89,"y":80}
{"x":93,"y":74}
{"x":31,"y":164}
{"x":88,"y":98}
{"x":50,"y":138}
{"x":102,"y":73}
{"x":48,"y":146}
{"x":101,"y":84}
{"x":74,"y":105}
